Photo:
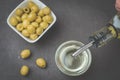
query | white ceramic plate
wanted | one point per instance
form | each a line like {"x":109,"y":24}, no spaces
{"x":23,"y":4}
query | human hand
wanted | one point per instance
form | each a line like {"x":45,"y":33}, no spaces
{"x":117,"y":5}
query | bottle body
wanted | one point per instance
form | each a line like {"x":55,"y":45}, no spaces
{"x":116,"y":23}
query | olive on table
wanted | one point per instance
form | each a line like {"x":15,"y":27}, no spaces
{"x":25,"y":53}
{"x":24,"y":70}
{"x":40,"y":62}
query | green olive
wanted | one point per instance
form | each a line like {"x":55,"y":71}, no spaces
{"x":25,"y":33}
{"x":18,"y":18}
{"x":26,"y":10}
{"x":32,"y":16}
{"x":25,"y":53}
{"x":48,"y":18}
{"x":35,"y":8}
{"x":40,"y":62}
{"x":44,"y":25}
{"x":46,"y":10}
{"x":33,"y":36}
{"x":24,"y":70}
{"x":13,"y":21}
{"x":19,"y":12}
{"x":41,"y":13}
{"x":31,"y":29}
{"x":39,"y":30}
{"x":19,"y":27}
{"x":26,"y":23}
{"x":34,"y":24}
{"x":30,"y":4}
{"x":38,"y":20}
{"x":24,"y":16}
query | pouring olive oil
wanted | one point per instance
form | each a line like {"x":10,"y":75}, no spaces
{"x":104,"y":35}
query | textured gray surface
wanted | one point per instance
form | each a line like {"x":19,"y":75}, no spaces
{"x":76,"y":20}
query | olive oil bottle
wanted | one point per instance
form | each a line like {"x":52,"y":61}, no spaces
{"x":107,"y":33}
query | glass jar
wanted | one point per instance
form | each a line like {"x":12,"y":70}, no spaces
{"x":69,"y":65}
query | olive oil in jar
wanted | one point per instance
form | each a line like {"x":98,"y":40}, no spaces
{"x":69,"y":65}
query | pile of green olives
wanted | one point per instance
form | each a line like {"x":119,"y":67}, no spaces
{"x":31,"y":20}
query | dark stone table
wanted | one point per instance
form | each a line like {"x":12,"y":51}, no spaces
{"x":76,"y":20}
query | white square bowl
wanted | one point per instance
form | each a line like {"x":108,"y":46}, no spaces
{"x":23,"y":4}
